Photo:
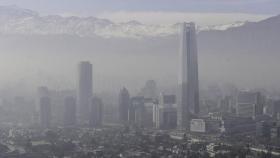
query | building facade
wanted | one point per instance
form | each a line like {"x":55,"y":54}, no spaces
{"x":96,"y":112}
{"x":188,"y":95}
{"x":124,"y":103}
{"x":69,"y":111}
{"x":84,"y":90}
{"x":45,"y":112}
{"x":250,"y":104}
{"x":165,"y":113}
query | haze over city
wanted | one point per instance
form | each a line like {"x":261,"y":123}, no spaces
{"x":189,"y":78}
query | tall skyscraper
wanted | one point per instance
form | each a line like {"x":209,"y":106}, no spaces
{"x":188,"y":95}
{"x":69,"y":111}
{"x":84,"y":90}
{"x":45,"y":112}
{"x":124,"y":103}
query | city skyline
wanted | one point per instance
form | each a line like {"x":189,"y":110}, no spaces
{"x":51,"y":40}
{"x":139,"y":78}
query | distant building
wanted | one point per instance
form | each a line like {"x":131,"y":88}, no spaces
{"x":141,"y":111}
{"x":136,"y":110}
{"x":96,"y":112}
{"x":148,"y":114}
{"x":275,"y":132}
{"x":276,"y":110}
{"x":188,"y":96}
{"x":58,"y":105}
{"x":206,"y":125}
{"x":227,"y":105}
{"x":263,"y":129}
{"x":43,"y":92}
{"x":150,"y":90}
{"x":124,"y":104}
{"x":198,"y":125}
{"x":250,"y":104}
{"x":231,"y":125}
{"x":45,"y":112}
{"x":84,"y":90}
{"x":165,"y":113}
{"x":69,"y":111}
{"x":267,"y":129}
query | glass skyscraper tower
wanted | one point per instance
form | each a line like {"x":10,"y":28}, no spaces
{"x":188,"y":95}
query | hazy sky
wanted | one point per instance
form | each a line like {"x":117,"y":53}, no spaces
{"x":204,"y":12}
{"x":97,"y":6}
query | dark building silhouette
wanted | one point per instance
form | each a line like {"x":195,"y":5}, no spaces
{"x":84,"y":90}
{"x":69,"y":111}
{"x":276,"y":110}
{"x":124,"y":103}
{"x":45,"y":112}
{"x":96,"y":112}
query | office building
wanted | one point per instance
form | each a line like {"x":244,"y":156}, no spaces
{"x":250,"y":104}
{"x":69,"y":111}
{"x":198,"y":125}
{"x":136,"y":110}
{"x":165,"y":113}
{"x":45,"y":112}
{"x":84,"y":90}
{"x":124,"y":103}
{"x":188,"y":95}
{"x":276,"y":110}
{"x":96,"y":112}
{"x":148,"y":113}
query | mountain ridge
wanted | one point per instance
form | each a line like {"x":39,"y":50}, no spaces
{"x":16,"y":20}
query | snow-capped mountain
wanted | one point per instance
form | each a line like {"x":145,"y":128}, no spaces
{"x":15,"y":20}
{"x":223,"y":27}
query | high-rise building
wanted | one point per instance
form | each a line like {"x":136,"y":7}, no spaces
{"x":96,"y":112}
{"x":69,"y":111}
{"x":41,"y":92}
{"x":84,"y":90}
{"x":165,"y":113}
{"x":124,"y":103}
{"x":148,"y":111}
{"x":188,"y":95}
{"x":276,"y":109}
{"x":136,"y":110}
{"x":45,"y":112}
{"x":250,"y":104}
{"x":226,"y":104}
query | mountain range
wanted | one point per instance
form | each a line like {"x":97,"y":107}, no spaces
{"x":15,"y":20}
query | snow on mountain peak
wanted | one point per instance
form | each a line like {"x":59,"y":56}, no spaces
{"x":15,"y":20}
{"x":222,"y":27}
{"x":15,"y":11}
